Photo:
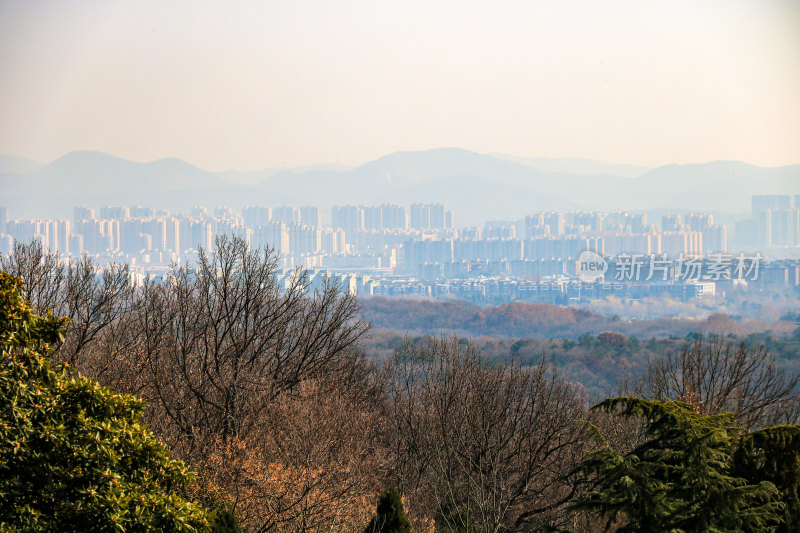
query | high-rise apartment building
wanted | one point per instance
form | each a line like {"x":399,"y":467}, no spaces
{"x":348,"y":217}
{"x":677,"y":243}
{"x":199,"y":211}
{"x":80,"y":213}
{"x":286,"y":214}
{"x":27,"y":230}
{"x":6,"y":244}
{"x":114,"y":212}
{"x":373,"y":218}
{"x":139,"y":211}
{"x":672,"y":223}
{"x":784,"y":227}
{"x":332,"y":241}
{"x":272,"y":234}
{"x":764,"y":227}
{"x":638,"y":224}
{"x":304,"y":239}
{"x":256,"y":216}
{"x":437,"y":216}
{"x":60,"y":241}
{"x":394,"y":217}
{"x":200,"y":235}
{"x":762,"y":202}
{"x":428,"y":216}
{"x":157,"y":229}
{"x":420,"y":216}
{"x":173,"y":235}
{"x":449,"y":220}
{"x":555,"y":222}
{"x":715,"y":238}
{"x":309,"y":215}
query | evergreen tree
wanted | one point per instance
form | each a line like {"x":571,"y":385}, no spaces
{"x":773,"y":454}
{"x":225,"y":521}
{"x":75,"y":456}
{"x":390,"y":516}
{"x":680,"y":478}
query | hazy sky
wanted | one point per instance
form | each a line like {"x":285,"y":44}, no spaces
{"x":268,"y":83}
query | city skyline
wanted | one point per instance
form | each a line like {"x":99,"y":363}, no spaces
{"x":419,"y":250}
{"x":378,"y":230}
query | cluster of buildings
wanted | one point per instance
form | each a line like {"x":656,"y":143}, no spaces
{"x":393,"y":249}
{"x":775,"y":222}
{"x":358,"y":235}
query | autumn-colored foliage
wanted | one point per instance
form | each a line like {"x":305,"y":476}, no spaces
{"x":544,"y":321}
{"x":296,"y":416}
{"x":314,"y":464}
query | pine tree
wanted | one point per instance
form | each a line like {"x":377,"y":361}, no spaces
{"x":75,"y":456}
{"x":681,"y":478}
{"x":773,"y":454}
{"x":225,"y":521}
{"x":390,"y":516}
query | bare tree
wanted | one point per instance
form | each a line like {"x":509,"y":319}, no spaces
{"x":259,"y":382}
{"x":314,"y":462}
{"x":487,"y":443}
{"x":91,"y":297}
{"x":221,"y":340}
{"x":718,"y":376}
{"x":42,"y":275}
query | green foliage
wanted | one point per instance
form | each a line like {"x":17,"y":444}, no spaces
{"x":390,"y":516}
{"x":773,"y":454}
{"x":75,"y":456}
{"x":680,"y":478}
{"x":225,"y":521}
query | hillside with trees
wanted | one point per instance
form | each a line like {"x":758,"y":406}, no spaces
{"x":602,"y":363}
{"x":545,"y":321}
{"x":215,"y":399}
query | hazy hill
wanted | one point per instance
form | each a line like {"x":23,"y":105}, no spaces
{"x":479,"y":186}
{"x":576,"y":165}
{"x":472,"y":184}
{"x":16,"y":164}
{"x":96,"y":178}
{"x":103,"y":172}
{"x":719,"y":185}
{"x":475,"y":186}
{"x":254,"y":177}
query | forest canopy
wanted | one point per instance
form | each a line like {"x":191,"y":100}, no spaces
{"x":273,"y":404}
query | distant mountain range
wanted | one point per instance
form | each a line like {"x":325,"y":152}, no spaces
{"x":13,"y":163}
{"x":475,"y":186}
{"x":576,"y":165}
{"x":257,"y":176}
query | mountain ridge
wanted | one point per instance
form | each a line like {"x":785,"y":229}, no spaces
{"x":576,"y":165}
{"x":476,"y":186}
{"x":18,"y":164}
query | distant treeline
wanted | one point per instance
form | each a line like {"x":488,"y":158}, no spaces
{"x":601,"y":363}
{"x":543,"y":321}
